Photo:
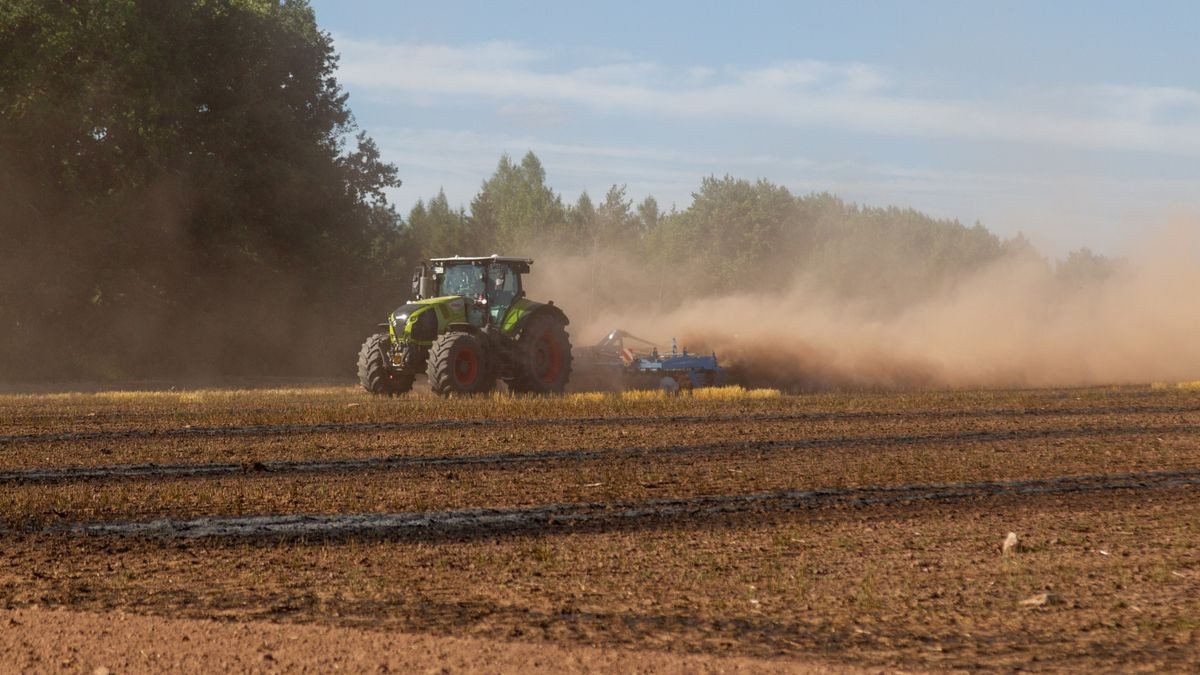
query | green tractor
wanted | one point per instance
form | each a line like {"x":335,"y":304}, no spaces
{"x":469,"y":325}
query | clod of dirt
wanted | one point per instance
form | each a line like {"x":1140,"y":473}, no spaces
{"x":1010,"y":544}
{"x":1039,"y":600}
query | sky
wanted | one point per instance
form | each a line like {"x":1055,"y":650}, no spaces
{"x":1074,"y":123}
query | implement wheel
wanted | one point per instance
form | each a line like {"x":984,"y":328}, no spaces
{"x":457,"y":365}
{"x":543,"y":357}
{"x":373,"y":372}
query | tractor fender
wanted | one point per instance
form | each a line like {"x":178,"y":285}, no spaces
{"x":548,"y":309}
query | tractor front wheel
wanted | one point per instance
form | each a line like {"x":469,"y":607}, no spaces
{"x":373,"y":372}
{"x":458,"y":365}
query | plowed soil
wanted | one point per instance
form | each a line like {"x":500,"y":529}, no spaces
{"x":830,"y":531}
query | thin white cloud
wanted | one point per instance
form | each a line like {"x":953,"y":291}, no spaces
{"x":534,"y":114}
{"x":854,"y":97}
{"x":809,"y":74}
{"x":1148,"y":104}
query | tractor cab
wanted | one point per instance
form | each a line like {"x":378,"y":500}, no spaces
{"x":488,"y":285}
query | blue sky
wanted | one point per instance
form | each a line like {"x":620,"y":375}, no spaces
{"x":1077,"y":123}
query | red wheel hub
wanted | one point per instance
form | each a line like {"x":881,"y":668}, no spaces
{"x":466,"y":367}
{"x":548,"y":359}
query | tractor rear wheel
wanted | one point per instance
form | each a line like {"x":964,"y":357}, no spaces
{"x":458,"y":365}
{"x":543,"y":357}
{"x":373,"y":371}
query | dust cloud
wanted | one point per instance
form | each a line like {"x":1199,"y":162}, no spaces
{"x":1014,"y":323}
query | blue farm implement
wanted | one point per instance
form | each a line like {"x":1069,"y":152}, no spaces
{"x":623,"y":361}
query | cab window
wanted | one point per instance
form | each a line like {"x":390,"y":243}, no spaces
{"x":464,"y":280}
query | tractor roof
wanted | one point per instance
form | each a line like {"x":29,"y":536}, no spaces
{"x":521,"y":263}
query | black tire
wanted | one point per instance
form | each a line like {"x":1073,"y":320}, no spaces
{"x":458,"y":366}
{"x":373,"y":372}
{"x":543,"y":358}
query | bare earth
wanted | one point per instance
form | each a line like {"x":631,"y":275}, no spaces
{"x":35,"y":639}
{"x":315,"y":528}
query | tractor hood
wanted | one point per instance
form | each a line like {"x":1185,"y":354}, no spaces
{"x":449,"y":307}
{"x":422,"y":321}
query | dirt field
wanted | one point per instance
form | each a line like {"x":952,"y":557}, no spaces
{"x":726,"y":531}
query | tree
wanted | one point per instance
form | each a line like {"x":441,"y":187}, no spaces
{"x":184,"y":190}
{"x":648,"y":217}
{"x":1083,"y":269}
{"x":438,"y":230}
{"x":617,"y":226}
{"x":582,"y":224}
{"x":515,"y":208}
{"x":734,"y":226}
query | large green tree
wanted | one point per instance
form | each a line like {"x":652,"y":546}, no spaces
{"x":733,"y":228}
{"x":515,"y":208}
{"x":179,"y":192}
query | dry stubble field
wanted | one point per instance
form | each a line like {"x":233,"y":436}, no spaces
{"x":813,"y":531}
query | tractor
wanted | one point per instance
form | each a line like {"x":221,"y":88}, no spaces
{"x":468,"y":326}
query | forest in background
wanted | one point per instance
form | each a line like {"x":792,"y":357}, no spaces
{"x":184,"y":193}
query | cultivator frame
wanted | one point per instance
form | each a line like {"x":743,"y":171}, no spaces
{"x":624,"y":361}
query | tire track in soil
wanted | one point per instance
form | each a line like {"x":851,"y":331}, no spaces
{"x":116,"y":472}
{"x":466,"y":523}
{"x":334,"y":427}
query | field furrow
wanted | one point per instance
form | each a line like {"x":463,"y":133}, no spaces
{"x":549,"y":518}
{"x":453,"y":424}
{"x":51,"y":475}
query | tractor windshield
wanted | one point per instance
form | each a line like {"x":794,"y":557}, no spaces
{"x":465,"y":280}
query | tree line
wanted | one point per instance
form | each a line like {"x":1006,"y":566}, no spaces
{"x":736,"y":235}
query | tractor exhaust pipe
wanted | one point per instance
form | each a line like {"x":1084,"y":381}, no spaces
{"x":423,"y":283}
